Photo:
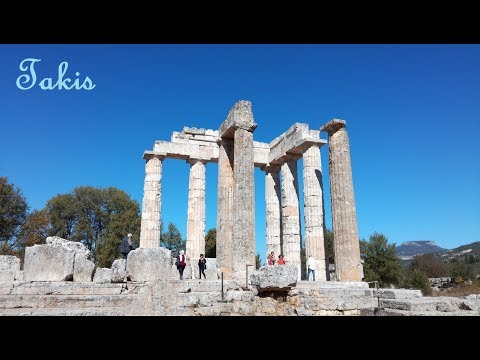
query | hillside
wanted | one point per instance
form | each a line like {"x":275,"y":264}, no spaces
{"x":468,"y":249}
{"x":408,"y":250}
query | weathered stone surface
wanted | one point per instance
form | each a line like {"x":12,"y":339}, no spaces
{"x":75,"y":246}
{"x":152,"y":202}
{"x":102,"y":275}
{"x":294,"y":141}
{"x":82,"y":268}
{"x":149,"y":264}
{"x":9,"y":265}
{"x":195,"y":244}
{"x":240,"y":116}
{"x":19,"y":275}
{"x":119,"y":271}
{"x":273,"y":209}
{"x":313,"y":209}
{"x":48,"y":263}
{"x":225,"y":209}
{"x":291,"y":215}
{"x":344,"y":218}
{"x":276,"y":277}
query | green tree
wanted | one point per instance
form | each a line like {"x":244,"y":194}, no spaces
{"x":430,"y":265}
{"x":258,"y":261}
{"x":459,"y":270}
{"x":172,"y":239}
{"x":211,"y":243}
{"x":13,"y":212}
{"x":380,"y":261}
{"x":417,"y":279}
{"x":97,"y":217}
{"x":330,"y":248}
{"x":34,"y":231}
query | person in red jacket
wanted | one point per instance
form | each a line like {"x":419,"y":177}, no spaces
{"x":181,"y":263}
{"x":281,"y":260}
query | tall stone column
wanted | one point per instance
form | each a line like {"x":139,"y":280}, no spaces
{"x":225,"y":208}
{"x":273,"y":207}
{"x":244,"y":204}
{"x":313,"y":210}
{"x":196,"y":213}
{"x":344,"y":218}
{"x":152,"y":202}
{"x":291,"y":214}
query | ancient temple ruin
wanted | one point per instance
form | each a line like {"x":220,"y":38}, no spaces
{"x":237,"y":154}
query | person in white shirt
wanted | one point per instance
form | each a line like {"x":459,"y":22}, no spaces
{"x":310,"y":267}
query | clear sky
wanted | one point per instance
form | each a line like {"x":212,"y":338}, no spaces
{"x":412,"y":113}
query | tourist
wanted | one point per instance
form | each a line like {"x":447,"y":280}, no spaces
{"x":126,"y":246}
{"x":271,"y":259}
{"x":202,"y":265}
{"x":311,"y":267}
{"x":181,"y":263}
{"x":281,"y":260}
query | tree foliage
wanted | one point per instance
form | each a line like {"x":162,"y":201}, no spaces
{"x":172,"y":239}
{"x":258,"y":261}
{"x":430,"y":265}
{"x":13,"y":212}
{"x":329,"y":246}
{"x":97,"y":217}
{"x":380,"y":261}
{"x":211,"y":243}
{"x":417,"y":279}
{"x":34,"y":231}
{"x":459,"y":270}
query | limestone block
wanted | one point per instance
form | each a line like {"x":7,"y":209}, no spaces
{"x":102,"y":275}
{"x":119,"y":271}
{"x":82,"y":268}
{"x":48,"y":263}
{"x":149,"y":264}
{"x":276,"y":277}
{"x":75,"y":246}
{"x":19,"y":275}
{"x":9,"y":265}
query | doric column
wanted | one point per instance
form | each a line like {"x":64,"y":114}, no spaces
{"x":225,"y":208}
{"x":244,"y":204}
{"x":196,"y":212}
{"x":344,"y":218}
{"x":313,"y":210}
{"x":273,"y":208}
{"x":291,"y":214}
{"x":152,"y":202}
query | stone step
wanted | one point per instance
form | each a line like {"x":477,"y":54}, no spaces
{"x":65,"y":301}
{"x":426,"y":304}
{"x":197,"y":299}
{"x":332,"y":284}
{"x":66,"y":288}
{"x":397,"y":312}
{"x":93,"y":311}
{"x":338,"y":292}
{"x":204,"y":285}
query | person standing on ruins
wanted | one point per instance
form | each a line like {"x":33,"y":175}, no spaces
{"x":126,"y":246}
{"x":310,"y":267}
{"x":271,"y":258}
{"x":181,"y":263}
{"x":281,"y":260}
{"x":202,"y":265}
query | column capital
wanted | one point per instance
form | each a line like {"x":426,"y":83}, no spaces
{"x":333,"y":126}
{"x":193,"y":161}
{"x":271,"y":168}
{"x":147,"y":155}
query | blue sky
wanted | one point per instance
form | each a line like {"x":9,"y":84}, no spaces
{"x":412,"y":112}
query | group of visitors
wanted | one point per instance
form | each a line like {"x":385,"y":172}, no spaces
{"x":181,"y":262}
{"x":271,"y":259}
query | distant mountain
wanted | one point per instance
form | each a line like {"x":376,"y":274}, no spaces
{"x":409,"y":249}
{"x":461,"y":251}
